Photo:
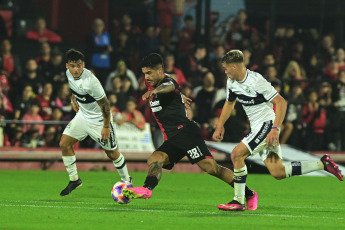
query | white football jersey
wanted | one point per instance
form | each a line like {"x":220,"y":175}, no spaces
{"x":88,"y":90}
{"x":255,"y":94}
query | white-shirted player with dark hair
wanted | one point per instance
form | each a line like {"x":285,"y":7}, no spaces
{"x":257,"y":97}
{"x":93,"y":119}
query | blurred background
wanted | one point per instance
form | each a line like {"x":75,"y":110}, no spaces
{"x":297,"y":45}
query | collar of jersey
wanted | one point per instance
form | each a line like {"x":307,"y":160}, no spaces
{"x":76,"y":79}
{"x":244,"y":78}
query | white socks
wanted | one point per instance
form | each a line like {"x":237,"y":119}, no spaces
{"x":71,"y":167}
{"x":240,"y":176}
{"x":121,"y":167}
{"x":296,"y":168}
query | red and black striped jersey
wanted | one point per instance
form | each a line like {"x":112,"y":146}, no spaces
{"x":168,"y":109}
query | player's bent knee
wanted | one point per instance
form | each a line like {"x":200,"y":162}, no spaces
{"x":278,"y":174}
{"x":156,"y":157}
{"x":209,"y":166}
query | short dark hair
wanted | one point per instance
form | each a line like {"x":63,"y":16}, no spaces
{"x":74,"y":55}
{"x":153,"y":60}
{"x":233,"y":56}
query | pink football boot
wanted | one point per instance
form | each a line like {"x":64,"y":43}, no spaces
{"x":137,"y":192}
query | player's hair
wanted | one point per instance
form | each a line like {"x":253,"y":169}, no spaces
{"x":233,"y":56}
{"x":153,"y":60}
{"x":74,"y":55}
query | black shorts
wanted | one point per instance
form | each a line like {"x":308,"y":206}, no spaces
{"x":188,"y":142}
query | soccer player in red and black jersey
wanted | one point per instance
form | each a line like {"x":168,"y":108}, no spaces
{"x":182,"y":136}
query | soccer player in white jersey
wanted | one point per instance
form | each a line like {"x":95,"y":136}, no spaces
{"x":93,"y":119}
{"x":257,"y":97}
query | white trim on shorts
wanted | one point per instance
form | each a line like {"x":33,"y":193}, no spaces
{"x":256,"y":141}
{"x":79,"y":128}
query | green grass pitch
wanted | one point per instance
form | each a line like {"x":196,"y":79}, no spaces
{"x":30,"y":200}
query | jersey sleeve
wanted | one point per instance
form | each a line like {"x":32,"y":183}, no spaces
{"x":168,"y":80}
{"x":266,"y":89}
{"x":230,"y":96}
{"x":94,"y":88}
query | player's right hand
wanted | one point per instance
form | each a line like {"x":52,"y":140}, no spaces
{"x":218,"y":134}
{"x":149,"y":94}
{"x":75,"y":106}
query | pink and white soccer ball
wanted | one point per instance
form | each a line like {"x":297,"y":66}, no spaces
{"x":116,"y":192}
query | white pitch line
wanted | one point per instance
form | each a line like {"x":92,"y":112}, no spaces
{"x":173,"y":211}
{"x":98,"y":203}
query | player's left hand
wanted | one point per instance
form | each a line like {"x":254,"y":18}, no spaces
{"x":105,"y":134}
{"x":149,"y":94}
{"x":272,"y":138}
{"x":187,"y":101}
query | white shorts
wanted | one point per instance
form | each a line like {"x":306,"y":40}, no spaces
{"x":256,"y":141}
{"x":79,"y":128}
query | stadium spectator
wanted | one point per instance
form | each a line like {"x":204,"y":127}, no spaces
{"x":216,"y":66}
{"x":239,"y":30}
{"x":22,"y":104}
{"x":6,"y":103}
{"x":99,"y":48}
{"x":32,"y":139}
{"x":314,"y":68}
{"x":149,"y":41}
{"x":340,"y":56}
{"x":46,"y":101}
{"x":9,"y":63}
{"x":332,"y":70}
{"x":63,"y":101}
{"x":117,"y":115}
{"x":128,"y":28}
{"x":51,"y":138}
{"x":327,"y":49}
{"x":295,"y":100}
{"x":165,"y":11}
{"x":32,"y":77}
{"x":193,"y":66}
{"x":204,"y":99}
{"x":32,"y":115}
{"x":44,"y":58}
{"x":132,"y":115}
{"x":187,"y":36}
{"x":173,"y":71}
{"x":124,"y":73}
{"x":56,"y":71}
{"x":271,"y":74}
{"x":337,"y":123}
{"x":41,"y":33}
{"x":314,"y":117}
{"x":13,"y":139}
{"x":117,"y":88}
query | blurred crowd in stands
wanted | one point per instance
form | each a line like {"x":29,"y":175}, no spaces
{"x":304,"y":66}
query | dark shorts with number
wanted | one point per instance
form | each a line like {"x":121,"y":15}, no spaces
{"x":188,"y":142}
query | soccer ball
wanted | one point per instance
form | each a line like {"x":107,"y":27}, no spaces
{"x":116,"y":192}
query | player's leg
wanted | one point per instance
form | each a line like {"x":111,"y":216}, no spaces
{"x":120,"y":164}
{"x":69,"y":160}
{"x":295,"y":168}
{"x":238,"y":155}
{"x":211,"y":167}
{"x":110,"y":148}
{"x":155,"y":162}
{"x":73,"y":133}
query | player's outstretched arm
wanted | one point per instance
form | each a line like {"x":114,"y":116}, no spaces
{"x":224,"y":116}
{"x":74,"y":103}
{"x":105,"y":108}
{"x":166,"y":87}
{"x":272,"y":138}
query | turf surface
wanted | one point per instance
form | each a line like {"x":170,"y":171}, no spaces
{"x":30,"y":200}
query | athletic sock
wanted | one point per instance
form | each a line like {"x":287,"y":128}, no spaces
{"x":240,"y":176}
{"x":248,"y":191}
{"x":120,"y":165}
{"x":151,"y":182}
{"x":296,"y":168}
{"x":71,"y":167}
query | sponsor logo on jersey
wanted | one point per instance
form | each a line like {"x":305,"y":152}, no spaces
{"x":251,"y":102}
{"x":155,"y":106}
